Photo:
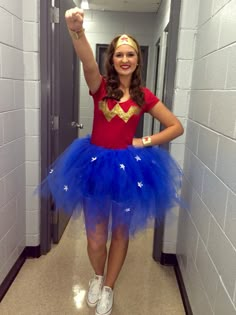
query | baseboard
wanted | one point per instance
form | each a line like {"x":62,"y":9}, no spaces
{"x":171,"y":260}
{"x":30,"y":251}
{"x":12,"y":274}
{"x":168,"y":259}
{"x":33,"y":251}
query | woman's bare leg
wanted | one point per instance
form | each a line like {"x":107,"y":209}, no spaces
{"x":97,"y":234}
{"x":96,"y":247}
{"x":117,"y":254}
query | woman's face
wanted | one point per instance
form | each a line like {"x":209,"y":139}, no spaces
{"x":125,"y":60}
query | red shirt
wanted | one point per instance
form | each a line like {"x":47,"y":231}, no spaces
{"x":115,"y":123}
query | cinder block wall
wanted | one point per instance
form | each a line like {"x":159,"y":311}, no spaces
{"x":31,"y":14}
{"x":206,"y":246}
{"x":12,"y":136}
{"x":19,"y":129}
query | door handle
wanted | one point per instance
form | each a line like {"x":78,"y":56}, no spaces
{"x":74,"y":124}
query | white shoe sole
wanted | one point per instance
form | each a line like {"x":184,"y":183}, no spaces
{"x":107,"y":313}
{"x":91,"y":304}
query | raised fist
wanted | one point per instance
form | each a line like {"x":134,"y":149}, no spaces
{"x":74,"y":19}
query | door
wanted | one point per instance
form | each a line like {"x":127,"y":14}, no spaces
{"x":59,"y":70}
{"x":161,"y":51}
{"x":160,"y":80}
{"x":65,"y":103}
{"x":166,"y":88}
{"x":144,"y":52}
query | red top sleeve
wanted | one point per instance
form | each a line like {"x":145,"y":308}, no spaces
{"x":150,"y":99}
{"x":101,"y":92}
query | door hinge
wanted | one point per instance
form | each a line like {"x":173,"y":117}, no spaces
{"x":55,"y":122}
{"x":55,"y":15}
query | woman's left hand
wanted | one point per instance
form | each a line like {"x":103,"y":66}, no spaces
{"x":137,"y":142}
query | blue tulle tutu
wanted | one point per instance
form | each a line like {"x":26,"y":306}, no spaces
{"x":136,"y":185}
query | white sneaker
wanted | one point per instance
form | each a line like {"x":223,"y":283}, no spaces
{"x":94,"y":291}
{"x":104,"y":305}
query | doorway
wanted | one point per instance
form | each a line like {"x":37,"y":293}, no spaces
{"x":54,"y":139}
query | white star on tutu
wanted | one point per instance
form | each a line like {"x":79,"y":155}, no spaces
{"x":140,"y":184}
{"x":127,"y":210}
{"x":137,"y":158}
{"x":66,"y":188}
{"x":51,"y":171}
{"x":122,"y":166}
{"x":93,"y":158}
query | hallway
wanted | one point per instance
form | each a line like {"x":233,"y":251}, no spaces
{"x":57,"y":283}
{"x":202,"y":95}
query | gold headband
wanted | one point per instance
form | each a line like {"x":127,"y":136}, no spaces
{"x":126,"y":40}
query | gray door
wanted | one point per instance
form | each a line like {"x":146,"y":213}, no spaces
{"x":65,"y":104}
{"x":160,"y":80}
{"x":144,"y":51}
{"x":167,"y":91}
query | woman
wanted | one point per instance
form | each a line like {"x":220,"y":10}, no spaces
{"x":112,"y":174}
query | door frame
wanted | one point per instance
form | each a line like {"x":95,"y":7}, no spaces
{"x":169,"y":85}
{"x":46,"y":115}
{"x":46,"y":127}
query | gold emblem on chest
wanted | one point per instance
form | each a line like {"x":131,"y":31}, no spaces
{"x":117,"y":110}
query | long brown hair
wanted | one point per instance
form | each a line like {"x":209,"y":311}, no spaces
{"x":113,"y":81}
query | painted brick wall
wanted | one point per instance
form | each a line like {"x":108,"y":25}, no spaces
{"x":18,"y":86}
{"x":32,"y":118}
{"x":207,"y":230}
{"x":12,"y":136}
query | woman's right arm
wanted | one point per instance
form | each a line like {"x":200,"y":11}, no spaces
{"x":74,"y":20}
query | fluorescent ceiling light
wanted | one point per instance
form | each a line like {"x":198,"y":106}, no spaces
{"x":77,"y":3}
{"x":84,"y":5}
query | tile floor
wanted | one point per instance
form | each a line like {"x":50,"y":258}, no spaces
{"x":57,"y":282}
